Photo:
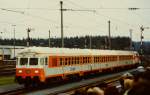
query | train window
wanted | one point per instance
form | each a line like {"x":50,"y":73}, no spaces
{"x":96,"y":59}
{"x":33,"y":61}
{"x":78,"y":60}
{"x":46,"y":61}
{"x":60,"y":61}
{"x":69,"y":63}
{"x":75,"y":60}
{"x":99,"y":59}
{"x":72,"y":60}
{"x":23,"y":61}
{"x":65,"y":61}
{"x":103,"y":59}
{"x":83,"y":60}
{"x":107,"y":58}
{"x":87,"y":60}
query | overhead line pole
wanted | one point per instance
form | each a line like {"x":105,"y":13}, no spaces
{"x":49,"y":39}
{"x":109,"y":36}
{"x":62,"y":35}
{"x":28,"y":36}
{"x":130,"y":39}
{"x":14,"y":40}
{"x":61,"y":11}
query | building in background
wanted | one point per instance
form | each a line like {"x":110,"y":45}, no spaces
{"x":8,"y":53}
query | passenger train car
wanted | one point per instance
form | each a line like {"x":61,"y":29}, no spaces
{"x":38,"y":64}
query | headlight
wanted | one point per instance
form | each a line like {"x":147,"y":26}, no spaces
{"x":20,"y":71}
{"x":36,"y":71}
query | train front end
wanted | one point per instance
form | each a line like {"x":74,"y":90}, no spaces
{"x":30,"y":69}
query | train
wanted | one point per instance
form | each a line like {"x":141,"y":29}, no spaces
{"x":41,"y":64}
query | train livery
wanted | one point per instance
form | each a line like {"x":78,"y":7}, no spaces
{"x":39,"y":64}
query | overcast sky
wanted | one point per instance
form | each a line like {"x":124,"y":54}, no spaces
{"x":42,"y":15}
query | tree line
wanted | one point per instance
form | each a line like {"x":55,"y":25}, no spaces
{"x":97,"y":42}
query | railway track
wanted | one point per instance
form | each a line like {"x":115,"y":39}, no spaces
{"x":10,"y":89}
{"x":71,"y":87}
{"x":7,"y":68}
{"x":17,"y":91}
{"x":68,"y":88}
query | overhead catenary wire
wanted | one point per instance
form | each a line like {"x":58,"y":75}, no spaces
{"x":97,"y":13}
{"x":78,"y":8}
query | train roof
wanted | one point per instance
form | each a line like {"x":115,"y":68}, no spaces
{"x":72,"y":51}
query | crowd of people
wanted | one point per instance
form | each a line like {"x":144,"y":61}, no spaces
{"x":129,"y":84}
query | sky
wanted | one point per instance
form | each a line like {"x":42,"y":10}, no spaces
{"x":88,"y":17}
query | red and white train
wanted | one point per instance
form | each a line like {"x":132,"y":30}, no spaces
{"x":38,"y":64}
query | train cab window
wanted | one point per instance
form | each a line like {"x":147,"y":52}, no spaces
{"x":23,"y":61}
{"x":34,"y":61}
{"x":46,"y":62}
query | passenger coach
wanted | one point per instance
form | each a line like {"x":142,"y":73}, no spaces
{"x":39,"y":64}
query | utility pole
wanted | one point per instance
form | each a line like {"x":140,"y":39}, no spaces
{"x":28,"y":36}
{"x":109,"y":36}
{"x":62,"y":35}
{"x":130,"y":39}
{"x":14,"y":40}
{"x":142,"y":37}
{"x":61,"y":11}
{"x":49,"y":39}
{"x":141,"y":43}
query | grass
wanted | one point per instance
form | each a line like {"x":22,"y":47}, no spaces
{"x":7,"y":80}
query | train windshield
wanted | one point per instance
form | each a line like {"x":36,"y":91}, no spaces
{"x":33,"y":61}
{"x":23,"y":61}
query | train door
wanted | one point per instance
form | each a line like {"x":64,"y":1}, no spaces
{"x":43,"y":61}
{"x":52,"y":61}
{"x":52,"y":68}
